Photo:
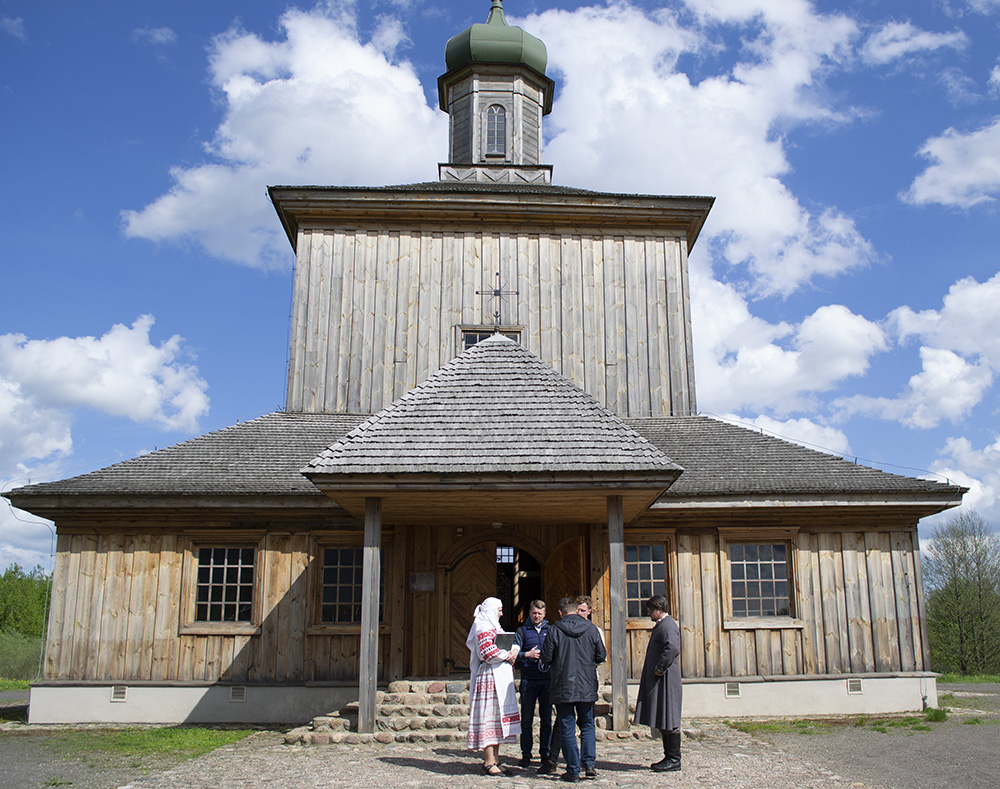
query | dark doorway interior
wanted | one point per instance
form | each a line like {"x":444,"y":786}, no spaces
{"x":519,"y":581}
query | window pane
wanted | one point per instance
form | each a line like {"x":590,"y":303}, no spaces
{"x":342,"y":580}
{"x":759,"y":580}
{"x":225,"y":576}
{"x":645,"y":575}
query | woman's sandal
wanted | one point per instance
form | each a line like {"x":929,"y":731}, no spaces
{"x":493,"y":769}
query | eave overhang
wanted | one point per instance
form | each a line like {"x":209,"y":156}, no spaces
{"x":542,"y":207}
{"x":540,"y":498}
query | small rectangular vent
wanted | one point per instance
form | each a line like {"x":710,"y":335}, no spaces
{"x":119,"y":692}
{"x":732,"y":690}
{"x":238,"y":693}
{"x":854,"y":687}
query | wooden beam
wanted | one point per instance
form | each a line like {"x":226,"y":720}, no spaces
{"x":616,"y":557}
{"x":370,"y":581}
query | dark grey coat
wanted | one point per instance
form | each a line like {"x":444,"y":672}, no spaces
{"x":573,"y":648}
{"x":659,"y":701}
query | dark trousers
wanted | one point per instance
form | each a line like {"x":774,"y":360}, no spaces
{"x":532,"y":691}
{"x":568,"y":717}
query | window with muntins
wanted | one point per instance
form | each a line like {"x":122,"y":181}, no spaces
{"x":224,"y":585}
{"x":471,"y":336}
{"x":759,"y":577}
{"x":496,"y":130}
{"x":341,"y":591}
{"x":644,"y":577}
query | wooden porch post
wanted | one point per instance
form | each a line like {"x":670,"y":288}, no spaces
{"x":616,"y":557}
{"x":370,"y":585}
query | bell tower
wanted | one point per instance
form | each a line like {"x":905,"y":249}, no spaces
{"x":496,"y":92}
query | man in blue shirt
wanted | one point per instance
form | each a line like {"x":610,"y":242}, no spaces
{"x":534,"y":683}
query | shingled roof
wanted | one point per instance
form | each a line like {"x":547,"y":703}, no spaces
{"x":495,"y":408}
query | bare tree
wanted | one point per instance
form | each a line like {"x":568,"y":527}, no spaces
{"x":962,"y":572}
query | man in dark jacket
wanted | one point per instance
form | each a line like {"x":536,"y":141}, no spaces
{"x":659,"y":701}
{"x":534,"y":683}
{"x":572,"y":650}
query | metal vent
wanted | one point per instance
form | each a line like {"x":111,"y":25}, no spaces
{"x":732,"y":690}
{"x":119,"y":692}
{"x":854,"y":687}
{"x":238,"y":693}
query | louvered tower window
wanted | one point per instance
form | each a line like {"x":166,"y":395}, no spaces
{"x":496,"y":130}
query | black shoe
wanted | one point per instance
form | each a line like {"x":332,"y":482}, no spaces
{"x":590,"y":772}
{"x":572,"y":778}
{"x":666,"y":766}
{"x":548,"y":767}
{"x":525,"y":761}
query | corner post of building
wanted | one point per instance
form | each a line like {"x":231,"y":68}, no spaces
{"x":370,"y":585}
{"x":616,"y":561}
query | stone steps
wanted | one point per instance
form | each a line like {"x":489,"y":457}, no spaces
{"x":422,"y":711}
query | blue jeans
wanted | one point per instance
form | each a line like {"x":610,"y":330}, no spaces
{"x":583,"y":712}
{"x":533,"y":690}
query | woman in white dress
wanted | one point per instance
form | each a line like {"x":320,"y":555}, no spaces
{"x":494,"y":716}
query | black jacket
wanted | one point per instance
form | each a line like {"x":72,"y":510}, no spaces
{"x":572,"y":649}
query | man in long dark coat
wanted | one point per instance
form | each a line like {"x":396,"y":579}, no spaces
{"x":659,"y":701}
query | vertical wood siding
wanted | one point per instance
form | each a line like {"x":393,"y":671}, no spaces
{"x":378,"y":311}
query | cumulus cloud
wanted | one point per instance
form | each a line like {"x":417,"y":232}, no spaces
{"x":968,"y":321}
{"x":947,"y":388}
{"x":628,"y":120}
{"x":154,"y":35}
{"x":964,"y":169}
{"x":898,"y":40}
{"x":121,"y":373}
{"x":13,"y":26}
{"x":976,"y":469}
{"x":744,"y":362}
{"x":317,"y":105}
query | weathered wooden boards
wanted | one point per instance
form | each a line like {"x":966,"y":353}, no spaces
{"x":377,"y":311}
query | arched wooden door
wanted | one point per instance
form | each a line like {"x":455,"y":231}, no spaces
{"x":563,"y":575}
{"x":473,"y":578}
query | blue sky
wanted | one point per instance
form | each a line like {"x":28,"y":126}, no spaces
{"x":845,"y":288}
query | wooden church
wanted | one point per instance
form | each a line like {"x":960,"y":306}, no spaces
{"x":490,"y":392}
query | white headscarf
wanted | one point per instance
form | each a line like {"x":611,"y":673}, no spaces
{"x":487,"y":617}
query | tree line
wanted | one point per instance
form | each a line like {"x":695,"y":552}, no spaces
{"x":24,"y":598}
{"x":961,"y":568}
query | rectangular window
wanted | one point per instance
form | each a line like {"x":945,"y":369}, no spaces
{"x":341,"y":595}
{"x":225,"y":584}
{"x":222,"y":584}
{"x":759,"y":578}
{"x":473,"y":335}
{"x":644,"y":577}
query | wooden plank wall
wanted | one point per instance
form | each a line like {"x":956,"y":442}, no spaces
{"x":376,"y":311}
{"x":858,"y":602}
{"x":116,"y":609}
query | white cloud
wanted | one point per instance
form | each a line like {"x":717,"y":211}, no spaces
{"x":976,"y":469}
{"x":318,"y":106}
{"x":994,"y":80}
{"x":626,"y":120}
{"x":745,"y":362}
{"x":898,"y":40}
{"x":158,"y":36}
{"x":946,"y":389}
{"x":964,"y":169}
{"x":968,"y":321}
{"x":121,"y":373}
{"x":13,"y":26}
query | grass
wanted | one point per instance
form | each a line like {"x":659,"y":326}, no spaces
{"x":14,"y":684}
{"x":139,"y":744}
{"x":883,"y":724}
{"x":969,"y":679}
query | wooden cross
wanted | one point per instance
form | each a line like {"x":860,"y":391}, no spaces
{"x":499,"y":294}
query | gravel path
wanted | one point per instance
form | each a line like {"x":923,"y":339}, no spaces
{"x":955,"y":753}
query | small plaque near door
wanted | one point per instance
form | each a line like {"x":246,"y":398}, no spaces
{"x":421,"y":582}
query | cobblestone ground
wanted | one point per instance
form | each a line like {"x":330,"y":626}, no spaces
{"x":719,"y":757}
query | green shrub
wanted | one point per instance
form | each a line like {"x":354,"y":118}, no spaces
{"x":19,"y":655}
{"x":935,"y":715}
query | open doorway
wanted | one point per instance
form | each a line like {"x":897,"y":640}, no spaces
{"x":519,"y":581}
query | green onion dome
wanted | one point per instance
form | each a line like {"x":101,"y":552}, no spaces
{"x":495,"y":42}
